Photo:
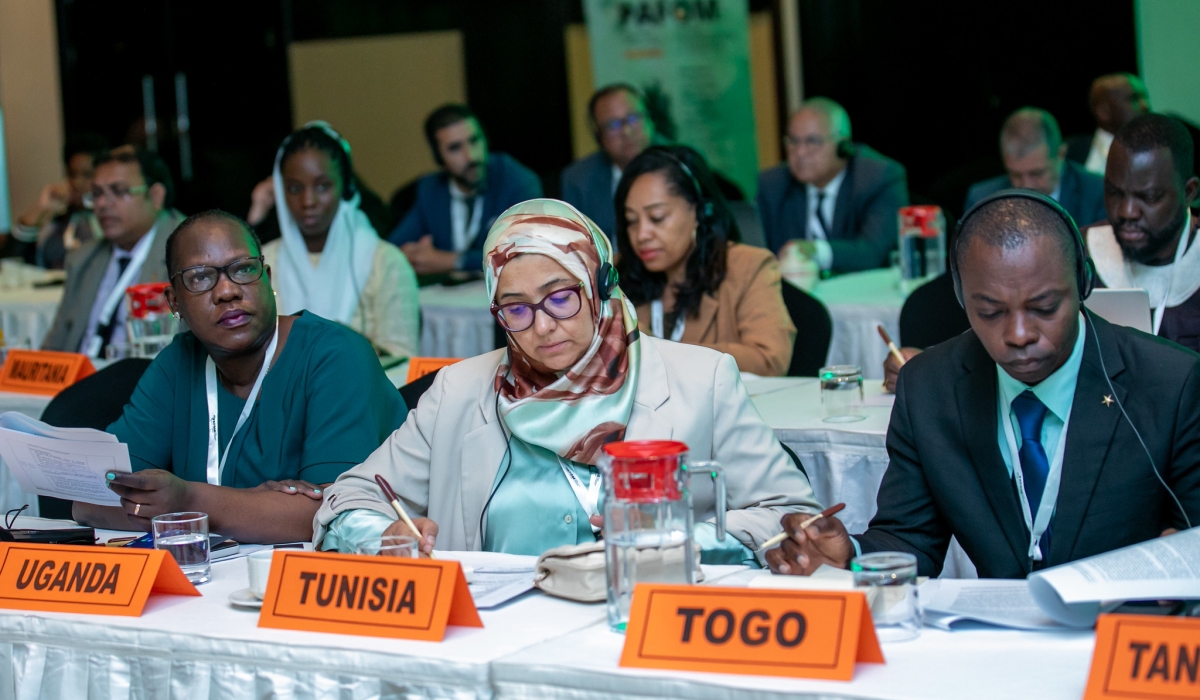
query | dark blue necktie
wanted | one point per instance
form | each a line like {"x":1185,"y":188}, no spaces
{"x":1035,"y":468}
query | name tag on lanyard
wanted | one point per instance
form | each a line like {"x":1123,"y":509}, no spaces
{"x":216,"y":467}
{"x":589,"y":497}
{"x":656,"y":322}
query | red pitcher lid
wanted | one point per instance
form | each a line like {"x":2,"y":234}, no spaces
{"x":645,"y":449}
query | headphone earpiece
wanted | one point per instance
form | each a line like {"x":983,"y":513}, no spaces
{"x":846,"y":149}
{"x":1085,"y":267}
{"x":606,"y":281}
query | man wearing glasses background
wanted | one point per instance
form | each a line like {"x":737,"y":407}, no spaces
{"x":131,"y":196}
{"x":622,"y":128}
{"x":834,"y":201}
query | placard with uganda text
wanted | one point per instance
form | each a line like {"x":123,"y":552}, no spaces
{"x":364,"y":595}
{"x":750,"y":631}
{"x":82,"y":579}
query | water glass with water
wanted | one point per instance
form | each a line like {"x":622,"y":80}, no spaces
{"x":389,"y":546}
{"x":185,"y":536}
{"x":890,"y":580}
{"x":841,"y":393}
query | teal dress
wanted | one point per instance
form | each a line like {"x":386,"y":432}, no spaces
{"x":323,"y":408}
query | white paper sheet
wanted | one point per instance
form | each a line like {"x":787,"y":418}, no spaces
{"x":996,"y":602}
{"x":1165,"y":568}
{"x":67,"y":463}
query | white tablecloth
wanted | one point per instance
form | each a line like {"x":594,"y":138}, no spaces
{"x":533,"y":647}
{"x":11,"y":494}
{"x":455,"y":321}
{"x":858,"y":303}
{"x":26,"y":314}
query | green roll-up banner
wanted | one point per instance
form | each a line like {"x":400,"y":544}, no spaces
{"x":691,"y":58}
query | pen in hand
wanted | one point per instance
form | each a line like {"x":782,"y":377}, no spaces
{"x":895,"y":351}
{"x":394,"y":500}
{"x":831,"y":510}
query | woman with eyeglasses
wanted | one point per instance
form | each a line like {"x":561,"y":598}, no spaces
{"x":295,"y":400}
{"x":683,"y":268}
{"x":329,"y":259}
{"x":501,"y":451}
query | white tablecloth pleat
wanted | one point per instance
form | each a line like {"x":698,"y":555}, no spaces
{"x":455,"y":321}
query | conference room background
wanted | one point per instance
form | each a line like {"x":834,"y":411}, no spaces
{"x":927,"y":83}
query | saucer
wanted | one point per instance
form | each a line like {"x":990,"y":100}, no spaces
{"x":245,"y":598}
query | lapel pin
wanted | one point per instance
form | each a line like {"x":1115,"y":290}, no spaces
{"x":1107,"y":401}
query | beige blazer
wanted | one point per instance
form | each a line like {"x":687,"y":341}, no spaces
{"x":85,"y":268}
{"x":443,"y":461}
{"x":746,"y":319}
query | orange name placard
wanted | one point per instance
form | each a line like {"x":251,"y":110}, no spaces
{"x":43,"y":371}
{"x":750,"y":631}
{"x":81,"y":579}
{"x":420,"y":366}
{"x":1145,"y":656}
{"x":372,"y":596}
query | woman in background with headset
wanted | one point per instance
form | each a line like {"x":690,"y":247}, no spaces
{"x":500,"y":454}
{"x":329,"y":259}
{"x":683,"y":268}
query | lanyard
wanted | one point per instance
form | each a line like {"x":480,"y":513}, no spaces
{"x":1049,"y":493}
{"x":215,"y":468}
{"x":141,"y":251}
{"x":589,"y":498}
{"x":1179,"y":251}
{"x":656,"y":322}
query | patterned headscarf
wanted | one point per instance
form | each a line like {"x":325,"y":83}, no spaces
{"x":576,"y":412}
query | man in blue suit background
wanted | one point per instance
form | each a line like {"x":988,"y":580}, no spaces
{"x":455,"y":207}
{"x":1035,"y":157}
{"x":623,"y":129}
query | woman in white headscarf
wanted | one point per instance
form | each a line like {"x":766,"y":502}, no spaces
{"x":489,"y":456}
{"x":329,"y":260}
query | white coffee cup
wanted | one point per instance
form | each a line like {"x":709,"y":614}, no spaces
{"x":259,"y":564}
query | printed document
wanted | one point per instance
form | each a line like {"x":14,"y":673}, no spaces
{"x":67,"y":463}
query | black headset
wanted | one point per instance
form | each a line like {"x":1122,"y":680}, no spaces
{"x":606,"y":281}
{"x":704,"y":205}
{"x":846,"y":149}
{"x":1085,"y":268}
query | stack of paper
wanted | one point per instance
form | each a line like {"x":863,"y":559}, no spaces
{"x":67,"y":463}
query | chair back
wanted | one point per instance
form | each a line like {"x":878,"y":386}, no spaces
{"x":93,"y":402}
{"x":411,"y":392}
{"x":749,"y":223}
{"x":931,"y":314}
{"x":814,"y":330}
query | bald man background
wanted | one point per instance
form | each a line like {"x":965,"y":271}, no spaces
{"x":1035,"y":158}
{"x":835,"y":200}
{"x":1114,"y":100}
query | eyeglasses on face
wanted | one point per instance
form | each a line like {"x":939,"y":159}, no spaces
{"x":114,"y":191}
{"x":560,"y":304}
{"x":616,"y":126}
{"x":203,"y":278}
{"x":806,"y":142}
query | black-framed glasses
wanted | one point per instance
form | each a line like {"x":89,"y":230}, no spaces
{"x":10,"y":518}
{"x":616,"y":126}
{"x":560,"y":304}
{"x":810,"y":141}
{"x":202,"y":278}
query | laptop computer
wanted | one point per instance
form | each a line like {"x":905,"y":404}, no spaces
{"x":1123,"y":307}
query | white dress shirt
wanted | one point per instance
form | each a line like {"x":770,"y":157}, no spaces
{"x":107,"y":284}
{"x":828,"y":207}
{"x":1098,"y":155}
{"x":616,"y":178}
{"x":464,"y":225}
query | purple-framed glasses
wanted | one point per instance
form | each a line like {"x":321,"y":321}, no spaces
{"x":560,"y":304}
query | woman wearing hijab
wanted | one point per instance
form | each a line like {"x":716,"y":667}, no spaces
{"x":328,"y":259}
{"x":484,"y":458}
{"x":684,"y":270}
{"x":296,"y":400}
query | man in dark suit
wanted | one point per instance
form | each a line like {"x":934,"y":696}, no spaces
{"x":834,"y":201}
{"x":1035,"y":158}
{"x":1011,"y":437}
{"x":1114,"y":100}
{"x":623,"y":129}
{"x":455,"y":207}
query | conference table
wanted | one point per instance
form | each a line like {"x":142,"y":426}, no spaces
{"x":535,"y":646}
{"x":455,"y":321}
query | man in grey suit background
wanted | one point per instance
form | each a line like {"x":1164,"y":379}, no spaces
{"x":1035,"y":158}
{"x":834,"y":200}
{"x":131,"y":196}
{"x":623,"y":129}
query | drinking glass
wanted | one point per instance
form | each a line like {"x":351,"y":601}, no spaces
{"x":841,"y":393}
{"x":185,"y":536}
{"x":891,"y":582}
{"x":389,"y":546}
